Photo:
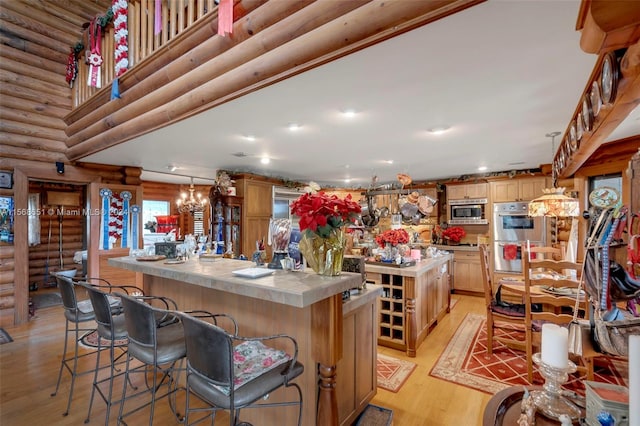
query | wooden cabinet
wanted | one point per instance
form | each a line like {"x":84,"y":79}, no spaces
{"x":467,"y":272}
{"x":470,"y":190}
{"x":257,"y":195}
{"x":357,"y":383}
{"x":226,"y":223}
{"x":517,"y":189}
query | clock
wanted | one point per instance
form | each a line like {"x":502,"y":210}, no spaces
{"x":6,"y":180}
{"x":609,"y":78}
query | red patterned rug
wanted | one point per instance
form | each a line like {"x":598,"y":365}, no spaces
{"x":465,"y":361}
{"x":393,"y":372}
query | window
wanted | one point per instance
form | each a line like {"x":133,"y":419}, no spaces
{"x":610,"y":181}
{"x":151,"y":209}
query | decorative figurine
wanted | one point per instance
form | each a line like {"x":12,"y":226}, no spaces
{"x":527,"y":410}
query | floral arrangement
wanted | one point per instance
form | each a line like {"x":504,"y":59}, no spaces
{"x":393,"y":237}
{"x":455,"y":234}
{"x":321,"y":213}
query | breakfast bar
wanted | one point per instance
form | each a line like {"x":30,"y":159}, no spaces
{"x":337,"y":383}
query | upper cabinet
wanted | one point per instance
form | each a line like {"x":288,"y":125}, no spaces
{"x":517,"y":189}
{"x":470,"y":190}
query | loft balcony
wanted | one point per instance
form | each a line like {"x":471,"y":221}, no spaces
{"x":188,"y":68}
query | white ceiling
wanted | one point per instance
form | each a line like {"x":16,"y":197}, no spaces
{"x":501,"y":74}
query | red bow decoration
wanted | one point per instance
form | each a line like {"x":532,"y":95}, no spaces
{"x":95,"y":59}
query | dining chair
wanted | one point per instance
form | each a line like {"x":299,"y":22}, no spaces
{"x":230,"y":372}
{"x":500,"y":315}
{"x":548,"y":283}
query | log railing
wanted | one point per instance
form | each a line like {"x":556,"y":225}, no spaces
{"x":177,"y":16}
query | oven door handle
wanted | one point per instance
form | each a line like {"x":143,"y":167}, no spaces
{"x":515,"y":243}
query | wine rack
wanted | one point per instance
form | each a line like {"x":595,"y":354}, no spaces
{"x":391,"y":312}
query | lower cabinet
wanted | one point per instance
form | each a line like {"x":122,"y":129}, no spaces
{"x":467,"y":272}
{"x":357,"y":383}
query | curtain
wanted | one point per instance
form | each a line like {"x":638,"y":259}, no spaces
{"x":34,"y":219}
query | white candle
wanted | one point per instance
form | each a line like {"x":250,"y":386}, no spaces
{"x":555,"y":345}
{"x":634,"y":380}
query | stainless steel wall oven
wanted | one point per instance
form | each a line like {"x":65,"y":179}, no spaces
{"x":511,"y":228}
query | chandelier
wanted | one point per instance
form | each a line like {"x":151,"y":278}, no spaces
{"x":191,"y":203}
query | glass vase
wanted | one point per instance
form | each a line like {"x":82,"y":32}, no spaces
{"x":324,"y":255}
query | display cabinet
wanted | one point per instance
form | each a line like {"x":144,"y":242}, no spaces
{"x":226,"y":223}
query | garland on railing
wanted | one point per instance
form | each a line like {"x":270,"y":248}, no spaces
{"x":121,"y":50}
{"x":99,"y":23}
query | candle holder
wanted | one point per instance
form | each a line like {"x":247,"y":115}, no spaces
{"x":550,"y":401}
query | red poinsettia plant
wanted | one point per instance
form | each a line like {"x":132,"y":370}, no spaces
{"x":454,"y":233}
{"x":393,"y":237}
{"x":322,"y":213}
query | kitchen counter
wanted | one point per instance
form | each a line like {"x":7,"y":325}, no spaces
{"x":299,"y":289}
{"x":304,"y":305}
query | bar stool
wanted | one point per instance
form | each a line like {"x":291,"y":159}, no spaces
{"x":76,"y":314}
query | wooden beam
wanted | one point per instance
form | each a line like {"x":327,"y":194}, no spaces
{"x":289,"y":55}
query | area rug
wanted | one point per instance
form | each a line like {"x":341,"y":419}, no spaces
{"x":90,"y":340}
{"x":4,"y":337}
{"x":393,"y":372}
{"x":46,"y":300}
{"x":465,"y":361}
{"x":375,"y":416}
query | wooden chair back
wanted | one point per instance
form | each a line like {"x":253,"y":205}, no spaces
{"x":548,"y":284}
{"x":487,"y":283}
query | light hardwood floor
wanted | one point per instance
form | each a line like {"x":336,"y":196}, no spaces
{"x":29,"y":367}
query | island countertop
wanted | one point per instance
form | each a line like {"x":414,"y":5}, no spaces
{"x":410,"y":271}
{"x":298,"y":289}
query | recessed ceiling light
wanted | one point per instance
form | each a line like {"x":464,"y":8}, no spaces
{"x":349,"y":113}
{"x":482,"y":168}
{"x":250,"y":138}
{"x":347,"y":180}
{"x":294,"y":126}
{"x":172,"y":168}
{"x":388,"y":161}
{"x":438,"y":130}
{"x":265,"y":160}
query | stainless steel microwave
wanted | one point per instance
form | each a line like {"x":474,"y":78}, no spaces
{"x":468,"y":212}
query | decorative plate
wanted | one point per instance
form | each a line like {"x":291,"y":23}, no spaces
{"x":586,"y":114}
{"x":604,"y":198}
{"x":609,"y":78}
{"x":579,"y":129}
{"x":151,"y":258}
{"x":573,"y":140}
{"x":596,"y":100}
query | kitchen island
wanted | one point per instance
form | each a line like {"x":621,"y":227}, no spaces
{"x":414,"y":299}
{"x":337,"y":384}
